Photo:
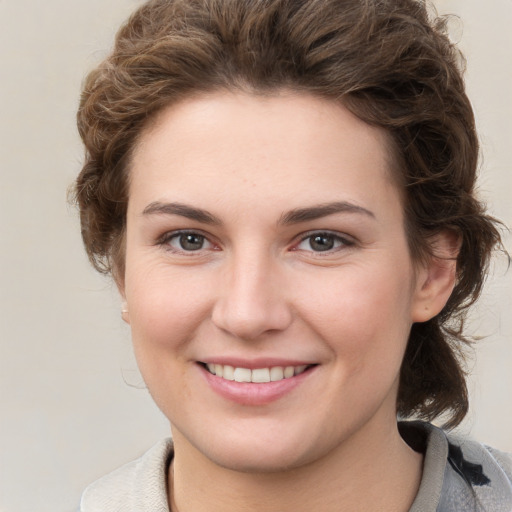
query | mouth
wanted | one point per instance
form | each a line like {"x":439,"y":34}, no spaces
{"x":256,"y":375}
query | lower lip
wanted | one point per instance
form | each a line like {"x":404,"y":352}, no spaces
{"x":250,"y":393}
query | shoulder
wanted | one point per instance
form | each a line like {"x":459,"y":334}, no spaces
{"x":458,"y":474}
{"x":477,"y":473}
{"x":138,"y":485}
{"x":464,"y":451}
{"x":504,"y":460}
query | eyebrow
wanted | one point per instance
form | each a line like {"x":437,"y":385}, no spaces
{"x":182,"y":210}
{"x":295,"y":216}
{"x":322,"y":210}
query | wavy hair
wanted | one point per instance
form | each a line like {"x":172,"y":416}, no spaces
{"x":389,"y":62}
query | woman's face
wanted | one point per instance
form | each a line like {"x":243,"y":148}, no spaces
{"x":265,"y":238}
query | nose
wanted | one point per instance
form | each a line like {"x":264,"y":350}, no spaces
{"x":251,"y":300}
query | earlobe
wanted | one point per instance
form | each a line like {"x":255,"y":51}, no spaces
{"x":125,"y":314}
{"x":436,"y":278}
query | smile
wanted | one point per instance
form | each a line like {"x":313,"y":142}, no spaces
{"x":257,"y":375}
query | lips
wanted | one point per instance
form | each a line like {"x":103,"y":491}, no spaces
{"x":255,"y":382}
{"x":257,"y":375}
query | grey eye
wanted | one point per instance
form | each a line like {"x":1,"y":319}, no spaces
{"x":188,"y":242}
{"x":321,"y":242}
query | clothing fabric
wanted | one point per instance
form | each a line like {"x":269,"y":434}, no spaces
{"x":458,"y":476}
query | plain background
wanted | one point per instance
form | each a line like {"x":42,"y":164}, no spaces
{"x":73,"y":405}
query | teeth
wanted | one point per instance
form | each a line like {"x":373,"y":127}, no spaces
{"x":219,"y":370}
{"x":289,"y":371}
{"x":276,"y":373}
{"x":260,"y":375}
{"x":242,"y":375}
{"x":299,"y":369}
{"x":228,"y":373}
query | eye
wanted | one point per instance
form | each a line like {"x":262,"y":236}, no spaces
{"x":187,"y":241}
{"x":323,"y":242}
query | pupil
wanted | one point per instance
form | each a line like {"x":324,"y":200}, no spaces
{"x":322,"y":242}
{"x":191,"y":242}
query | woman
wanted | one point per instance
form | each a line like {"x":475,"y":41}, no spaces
{"x":283,"y":192}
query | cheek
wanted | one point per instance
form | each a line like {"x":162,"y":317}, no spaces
{"x":364,"y":319}
{"x":165,"y":313}
{"x":165,"y":307}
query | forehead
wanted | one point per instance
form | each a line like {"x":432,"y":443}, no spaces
{"x":260,"y":145}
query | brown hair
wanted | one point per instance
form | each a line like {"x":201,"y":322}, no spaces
{"x":388,"y":61}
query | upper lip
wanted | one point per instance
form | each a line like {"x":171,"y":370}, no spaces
{"x":255,"y":363}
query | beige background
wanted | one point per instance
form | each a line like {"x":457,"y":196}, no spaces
{"x":72,"y":403}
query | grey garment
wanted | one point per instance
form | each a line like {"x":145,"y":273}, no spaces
{"x":458,"y":476}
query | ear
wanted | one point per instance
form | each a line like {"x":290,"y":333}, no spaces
{"x":435,"y":278}
{"x":119,"y":280}
{"x":125,"y":313}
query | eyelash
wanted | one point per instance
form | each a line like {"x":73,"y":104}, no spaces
{"x":166,"y":240}
{"x":338,"y":241}
{"x":337,"y":238}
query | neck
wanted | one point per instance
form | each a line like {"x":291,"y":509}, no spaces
{"x":376,"y":469}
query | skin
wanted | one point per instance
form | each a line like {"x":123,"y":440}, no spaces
{"x":256,"y":288}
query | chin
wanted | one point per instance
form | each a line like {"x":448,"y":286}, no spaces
{"x":256,"y":460}
{"x":277,"y":450}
